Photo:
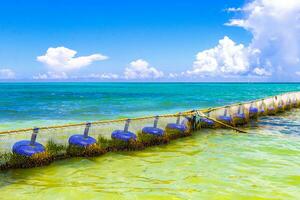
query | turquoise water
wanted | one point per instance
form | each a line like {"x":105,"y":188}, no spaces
{"x":39,"y":104}
{"x":211,"y":164}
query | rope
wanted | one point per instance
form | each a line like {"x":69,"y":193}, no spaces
{"x":185,"y":113}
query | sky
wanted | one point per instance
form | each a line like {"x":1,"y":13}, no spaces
{"x":134,"y":40}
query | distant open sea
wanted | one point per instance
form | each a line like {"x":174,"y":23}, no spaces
{"x":39,"y":104}
{"x":211,"y":164}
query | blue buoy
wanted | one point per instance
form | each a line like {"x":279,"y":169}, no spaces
{"x":124,"y":135}
{"x":82,"y":140}
{"x":295,"y":103}
{"x":271,"y":109}
{"x":207,"y":122}
{"x":225,"y":118}
{"x":253,"y":110}
{"x":240,"y":116}
{"x":28,"y":147}
{"x":288,"y":103}
{"x":181,"y":128}
{"x":261,"y":108}
{"x":153,"y":130}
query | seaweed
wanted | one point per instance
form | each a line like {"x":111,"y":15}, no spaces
{"x":119,"y":145}
{"x":18,"y":161}
{"x":89,"y":151}
{"x":173,"y":134}
{"x":55,"y":149}
{"x":152,"y":140}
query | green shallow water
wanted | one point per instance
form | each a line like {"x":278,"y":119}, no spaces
{"x":211,"y":164}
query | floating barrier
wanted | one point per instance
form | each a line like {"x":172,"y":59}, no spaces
{"x":58,"y":142}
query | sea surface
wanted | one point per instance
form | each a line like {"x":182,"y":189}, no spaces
{"x":211,"y":164}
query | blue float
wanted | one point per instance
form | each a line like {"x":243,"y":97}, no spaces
{"x":84,"y":140}
{"x":124,"y":135}
{"x":271,"y":109}
{"x":295,"y":103}
{"x":225,"y":118}
{"x":28,"y":147}
{"x":240,"y":115}
{"x":207,"y":122}
{"x":81,"y":141}
{"x":153,"y":130}
{"x":177,"y":126}
{"x":253,"y":110}
{"x":288,"y":103}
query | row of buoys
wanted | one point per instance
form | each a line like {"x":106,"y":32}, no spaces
{"x":254,"y":111}
{"x":30,"y":147}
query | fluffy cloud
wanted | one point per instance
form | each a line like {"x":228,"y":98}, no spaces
{"x":64,"y":76}
{"x":261,"y":72}
{"x":63,"y":59}
{"x":224,"y":59}
{"x":51,"y":76}
{"x":275,"y":26}
{"x":107,"y":76}
{"x":140,"y":69}
{"x":274,"y":50}
{"x":7,"y":74}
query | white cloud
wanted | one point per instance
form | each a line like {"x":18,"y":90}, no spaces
{"x":7,"y":74}
{"x":63,"y":59}
{"x":234,"y":9}
{"x":51,"y":76}
{"x":103,"y":76}
{"x":261,"y":72}
{"x":173,"y":75}
{"x":275,"y":26}
{"x":140,"y":69}
{"x":227,"y":58}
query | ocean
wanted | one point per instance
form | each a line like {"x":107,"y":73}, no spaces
{"x":211,"y":164}
{"x":41,"y":104}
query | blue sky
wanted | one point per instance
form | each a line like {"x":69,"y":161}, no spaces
{"x":143,"y":36}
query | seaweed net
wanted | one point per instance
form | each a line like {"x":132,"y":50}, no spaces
{"x":61,"y":134}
